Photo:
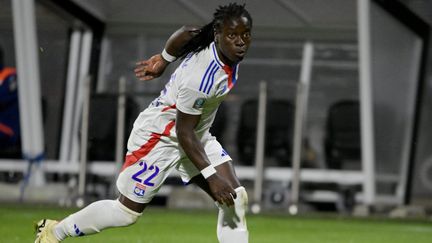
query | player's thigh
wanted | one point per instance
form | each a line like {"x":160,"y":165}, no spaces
{"x":219,"y":158}
{"x":221,"y":161}
{"x":215,"y":153}
{"x":141,"y":180}
{"x":225,"y":170}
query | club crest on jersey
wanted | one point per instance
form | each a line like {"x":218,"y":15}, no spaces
{"x":199,"y":103}
{"x":139,"y":189}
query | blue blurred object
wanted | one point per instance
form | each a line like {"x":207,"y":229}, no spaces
{"x":9,"y":111}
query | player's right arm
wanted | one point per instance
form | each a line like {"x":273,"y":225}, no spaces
{"x":220,"y":188}
{"x":155,"y":66}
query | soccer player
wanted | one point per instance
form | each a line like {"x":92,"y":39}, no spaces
{"x":173,"y":133}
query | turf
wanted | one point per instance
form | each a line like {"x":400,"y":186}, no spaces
{"x":165,"y":226}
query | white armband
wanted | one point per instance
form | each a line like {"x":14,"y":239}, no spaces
{"x":208,"y":171}
{"x":168,"y":57}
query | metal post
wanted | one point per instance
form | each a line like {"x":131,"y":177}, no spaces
{"x":121,"y":115}
{"x":401,"y":189}
{"x":83,"y":72}
{"x":70,"y":99}
{"x":84,"y":137}
{"x":366,"y":101}
{"x":259,"y":147}
{"x":32,"y":135}
{"x":300,"y":120}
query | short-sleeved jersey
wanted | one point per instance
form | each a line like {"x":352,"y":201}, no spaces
{"x":197,"y":87}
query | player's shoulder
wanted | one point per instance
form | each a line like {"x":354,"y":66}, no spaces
{"x":200,"y":68}
{"x":212,"y":72}
{"x":207,"y":56}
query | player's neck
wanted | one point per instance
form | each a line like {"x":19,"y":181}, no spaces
{"x":224,"y":59}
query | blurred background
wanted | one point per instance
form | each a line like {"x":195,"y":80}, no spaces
{"x":331,"y":111}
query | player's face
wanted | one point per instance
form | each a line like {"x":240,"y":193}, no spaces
{"x":233,"y":40}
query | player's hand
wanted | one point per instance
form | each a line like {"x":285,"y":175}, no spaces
{"x":151,"y":68}
{"x":222,"y":191}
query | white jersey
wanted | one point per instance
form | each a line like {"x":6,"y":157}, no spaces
{"x":197,"y":87}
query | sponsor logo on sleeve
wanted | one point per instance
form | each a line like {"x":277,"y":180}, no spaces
{"x":199,"y":103}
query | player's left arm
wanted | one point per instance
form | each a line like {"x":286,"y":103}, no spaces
{"x":156,"y":65}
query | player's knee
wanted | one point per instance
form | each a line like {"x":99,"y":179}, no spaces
{"x":234,"y":217}
{"x":128,"y":216}
{"x":241,"y":202}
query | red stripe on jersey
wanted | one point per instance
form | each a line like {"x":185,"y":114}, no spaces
{"x":6,"y":130}
{"x":169,"y":107}
{"x":228,"y":70}
{"x":147,"y":147}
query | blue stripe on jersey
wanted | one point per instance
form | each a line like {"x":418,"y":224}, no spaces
{"x":209,"y":77}
{"x":215,"y":55}
{"x":205,"y":75}
{"x":224,"y":153}
{"x":212,"y":80}
{"x":234,"y":74}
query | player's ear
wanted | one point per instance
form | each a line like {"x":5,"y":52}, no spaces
{"x":216,"y":34}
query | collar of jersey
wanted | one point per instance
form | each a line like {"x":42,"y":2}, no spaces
{"x":215,"y":54}
{"x":230,"y":71}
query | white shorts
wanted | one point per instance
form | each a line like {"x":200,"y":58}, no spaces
{"x":150,"y":160}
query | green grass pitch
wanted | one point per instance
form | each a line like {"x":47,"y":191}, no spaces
{"x":159,"y":225}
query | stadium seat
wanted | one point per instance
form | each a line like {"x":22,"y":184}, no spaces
{"x":279,"y":131}
{"x":103,"y":125}
{"x":342,"y":139}
{"x":246,"y":133}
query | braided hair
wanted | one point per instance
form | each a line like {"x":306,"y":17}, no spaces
{"x":205,"y":35}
